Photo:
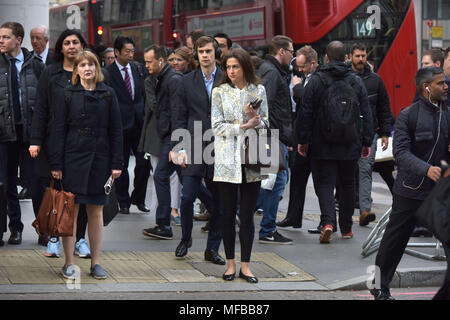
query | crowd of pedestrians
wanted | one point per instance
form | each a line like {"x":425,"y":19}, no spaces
{"x":76,"y":115}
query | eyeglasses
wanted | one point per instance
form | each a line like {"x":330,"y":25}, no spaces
{"x":291,"y":51}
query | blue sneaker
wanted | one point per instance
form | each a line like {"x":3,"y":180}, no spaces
{"x":53,"y":247}
{"x":98,"y":273}
{"x":82,"y":249}
{"x":176,"y":220}
{"x":69,"y":272}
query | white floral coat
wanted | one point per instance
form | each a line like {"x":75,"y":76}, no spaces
{"x":227,"y":114}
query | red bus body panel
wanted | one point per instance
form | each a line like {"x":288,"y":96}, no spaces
{"x":310,"y":20}
{"x":400,"y":65}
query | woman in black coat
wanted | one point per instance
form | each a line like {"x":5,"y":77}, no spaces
{"x":50,"y":92}
{"x":86,"y":149}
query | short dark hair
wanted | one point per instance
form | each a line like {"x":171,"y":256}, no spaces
{"x":436,"y":55}
{"x":277,"y":43}
{"x":425,"y":75}
{"x":246,"y":63}
{"x":358,"y":46}
{"x":17,"y":28}
{"x":195,"y":35}
{"x":336,"y":51}
{"x":225,"y":36}
{"x":159,"y":51}
{"x":58,"y":56}
{"x":447,"y":51}
{"x":121,"y":41}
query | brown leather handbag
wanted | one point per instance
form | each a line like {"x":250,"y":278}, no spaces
{"x":56,"y":216}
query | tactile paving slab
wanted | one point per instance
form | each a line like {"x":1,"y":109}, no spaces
{"x":32,"y":267}
{"x":259,"y":269}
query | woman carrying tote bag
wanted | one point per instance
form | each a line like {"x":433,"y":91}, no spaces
{"x":86,"y":149}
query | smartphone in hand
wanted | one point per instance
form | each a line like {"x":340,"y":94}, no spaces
{"x":256,"y":103}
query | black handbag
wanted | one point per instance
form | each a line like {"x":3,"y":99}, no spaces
{"x":110,"y":209}
{"x":253,"y":145}
{"x":434,"y":213}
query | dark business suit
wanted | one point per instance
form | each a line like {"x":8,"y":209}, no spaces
{"x":195,"y":110}
{"x":49,"y":60}
{"x":132,"y":112}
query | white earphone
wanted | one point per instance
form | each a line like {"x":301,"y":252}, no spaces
{"x":428,"y":89}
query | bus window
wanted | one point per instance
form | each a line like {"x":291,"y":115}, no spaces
{"x":189,"y":5}
{"x":158,"y":9}
{"x":354,"y":28}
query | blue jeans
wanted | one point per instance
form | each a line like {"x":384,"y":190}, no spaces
{"x":193,"y":188}
{"x":269,"y":200}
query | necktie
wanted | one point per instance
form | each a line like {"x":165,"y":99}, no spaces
{"x":128,"y":82}
{"x":15,"y":91}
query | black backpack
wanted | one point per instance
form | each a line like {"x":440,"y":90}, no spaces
{"x":339,"y":115}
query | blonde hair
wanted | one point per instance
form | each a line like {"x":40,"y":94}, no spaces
{"x":91,"y":57}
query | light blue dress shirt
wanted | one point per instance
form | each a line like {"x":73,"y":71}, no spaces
{"x":209,"y":83}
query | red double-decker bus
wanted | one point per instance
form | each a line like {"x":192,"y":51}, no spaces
{"x":386,"y":27}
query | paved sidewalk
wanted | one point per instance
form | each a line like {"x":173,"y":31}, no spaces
{"x":135,"y":262}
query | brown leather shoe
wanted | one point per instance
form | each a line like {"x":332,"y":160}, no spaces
{"x":15,"y":238}
{"x":202,"y":216}
{"x":366,"y":217}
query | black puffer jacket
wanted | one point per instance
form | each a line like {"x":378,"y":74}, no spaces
{"x":308,"y":128}
{"x":383,"y":118}
{"x":29,"y":77}
{"x":413,"y":147}
{"x":276,"y":82}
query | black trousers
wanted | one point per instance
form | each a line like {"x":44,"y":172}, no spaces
{"x":395,"y":238}
{"x":9,"y":163}
{"x":300,"y":171}
{"x":326,"y":173}
{"x":3,"y":219}
{"x":248,"y":193}
{"x":141,"y":173}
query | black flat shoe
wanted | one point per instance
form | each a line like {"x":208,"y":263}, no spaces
{"x":228,"y":277}
{"x":248,"y":278}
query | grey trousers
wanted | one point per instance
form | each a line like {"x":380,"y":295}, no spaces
{"x":365,"y":178}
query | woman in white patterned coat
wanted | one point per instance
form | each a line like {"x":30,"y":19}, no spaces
{"x":231,"y":116}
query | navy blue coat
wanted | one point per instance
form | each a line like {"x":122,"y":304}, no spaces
{"x":132,"y":111}
{"x":87,"y":139}
{"x":195,"y":106}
